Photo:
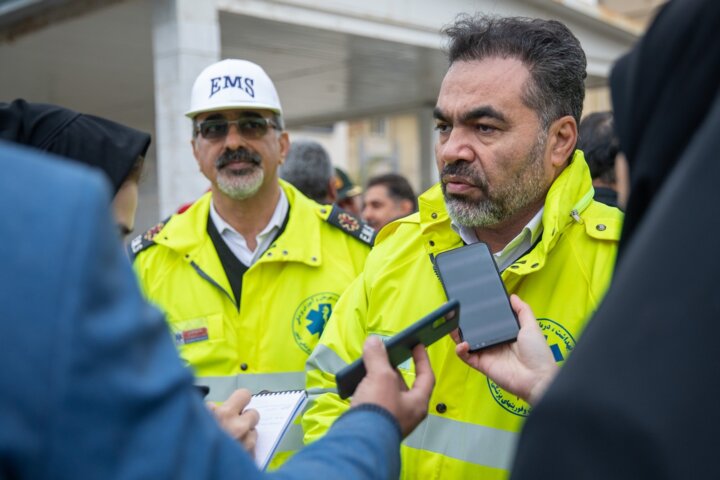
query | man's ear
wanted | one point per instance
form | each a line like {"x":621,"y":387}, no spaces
{"x":284,"y":140}
{"x":193,"y":143}
{"x":562,"y":138}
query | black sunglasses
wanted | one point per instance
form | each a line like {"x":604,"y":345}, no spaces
{"x":249,"y":127}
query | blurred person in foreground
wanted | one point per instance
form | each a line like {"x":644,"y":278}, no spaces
{"x":308,"y":168}
{"x":506,"y":117}
{"x":630,"y":403}
{"x":118,"y":151}
{"x":608,"y":167}
{"x":249,"y":274}
{"x":387,"y":197}
{"x":91,"y":385}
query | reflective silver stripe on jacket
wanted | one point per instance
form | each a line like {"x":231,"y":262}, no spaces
{"x":222,"y":387}
{"x":467,"y":442}
{"x":326,"y":360}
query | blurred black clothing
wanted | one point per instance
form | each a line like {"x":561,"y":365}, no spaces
{"x":637,"y":398}
{"x":87,"y":139}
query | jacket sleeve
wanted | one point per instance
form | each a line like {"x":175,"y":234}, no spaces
{"x":341,"y":343}
{"x":363,"y":443}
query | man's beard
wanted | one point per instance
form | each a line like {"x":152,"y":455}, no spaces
{"x":239,"y":184}
{"x":502,"y":201}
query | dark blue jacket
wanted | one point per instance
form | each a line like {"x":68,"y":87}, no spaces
{"x":90,"y":383}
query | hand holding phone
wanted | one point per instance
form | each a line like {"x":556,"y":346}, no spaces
{"x":426,"y":331}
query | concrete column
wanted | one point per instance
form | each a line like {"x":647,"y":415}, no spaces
{"x":186,"y":39}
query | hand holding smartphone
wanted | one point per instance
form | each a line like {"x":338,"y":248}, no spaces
{"x":427,"y":331}
{"x":470,"y":275}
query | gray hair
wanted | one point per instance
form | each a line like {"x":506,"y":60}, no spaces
{"x":308,"y":167}
{"x":548,"y":49}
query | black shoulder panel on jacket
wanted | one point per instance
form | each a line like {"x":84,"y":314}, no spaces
{"x":352,"y":225}
{"x":144,"y":241}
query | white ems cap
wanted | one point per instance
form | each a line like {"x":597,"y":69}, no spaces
{"x":232,"y":84}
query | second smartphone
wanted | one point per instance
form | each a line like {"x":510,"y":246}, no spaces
{"x":470,"y":275}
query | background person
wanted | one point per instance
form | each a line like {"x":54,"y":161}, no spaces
{"x":348,"y":193}
{"x":250,"y":273}
{"x":387,"y":197}
{"x":608,"y":167}
{"x":308,"y":168}
{"x":511,"y":177}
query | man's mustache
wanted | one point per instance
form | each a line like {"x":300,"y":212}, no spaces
{"x":239,"y":155}
{"x":463,"y":169}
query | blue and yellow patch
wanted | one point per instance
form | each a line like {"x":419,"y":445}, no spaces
{"x":561,"y":343}
{"x":310,"y":317}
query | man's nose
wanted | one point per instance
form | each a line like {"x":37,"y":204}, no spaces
{"x":233,"y":139}
{"x":456,"y":146}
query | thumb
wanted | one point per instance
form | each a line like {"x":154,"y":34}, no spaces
{"x":374,"y":355}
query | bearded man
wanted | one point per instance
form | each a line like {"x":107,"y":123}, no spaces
{"x":506,"y":118}
{"x":250,"y":273}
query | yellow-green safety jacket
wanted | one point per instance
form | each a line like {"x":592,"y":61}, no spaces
{"x":473,"y":425}
{"x":287,"y":295}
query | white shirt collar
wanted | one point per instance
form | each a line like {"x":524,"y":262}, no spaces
{"x":516,"y":247}
{"x":237,"y":243}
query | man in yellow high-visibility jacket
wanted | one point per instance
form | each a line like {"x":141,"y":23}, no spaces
{"x":506,"y":118}
{"x":250,"y":273}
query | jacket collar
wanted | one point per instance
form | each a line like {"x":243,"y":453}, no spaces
{"x":569,"y":195}
{"x":186,"y":233}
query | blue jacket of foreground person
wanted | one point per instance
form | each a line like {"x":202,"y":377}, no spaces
{"x":91,"y":384}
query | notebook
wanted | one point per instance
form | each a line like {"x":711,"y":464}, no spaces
{"x":277,"y":411}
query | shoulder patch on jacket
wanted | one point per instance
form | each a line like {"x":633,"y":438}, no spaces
{"x":144,"y":240}
{"x":352,"y":225}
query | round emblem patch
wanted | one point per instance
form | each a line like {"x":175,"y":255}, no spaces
{"x":348,"y":222}
{"x":561,"y":343}
{"x":309,"y":319}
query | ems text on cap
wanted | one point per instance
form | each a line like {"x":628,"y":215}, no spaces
{"x":231,"y":84}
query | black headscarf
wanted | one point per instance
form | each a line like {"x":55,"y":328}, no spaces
{"x":637,"y":399}
{"x":87,"y":139}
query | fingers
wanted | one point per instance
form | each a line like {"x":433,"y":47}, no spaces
{"x":249,"y":441}
{"x":424,"y":377}
{"x":455,"y":335}
{"x":375,"y":356}
{"x":525,"y":314}
{"x":463,"y":351}
{"x":238,"y":400}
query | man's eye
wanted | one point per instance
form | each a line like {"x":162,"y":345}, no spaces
{"x":250,"y":125}
{"x":483,"y":128}
{"x":442,"y":127}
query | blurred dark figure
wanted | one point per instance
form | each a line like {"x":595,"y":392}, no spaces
{"x":348,"y":193}
{"x":387,"y":197}
{"x":636,"y":398}
{"x":308,"y":167}
{"x":608,"y":167}
{"x":117,"y":150}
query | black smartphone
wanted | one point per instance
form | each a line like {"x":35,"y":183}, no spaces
{"x":427,"y":331}
{"x":470,"y":275}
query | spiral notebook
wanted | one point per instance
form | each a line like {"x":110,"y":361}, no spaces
{"x":277,"y":411}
